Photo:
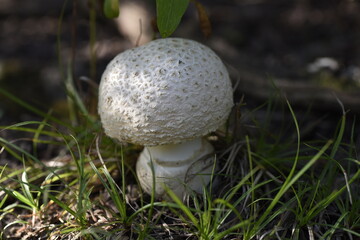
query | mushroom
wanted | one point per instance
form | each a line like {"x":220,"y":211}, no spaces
{"x":167,"y":95}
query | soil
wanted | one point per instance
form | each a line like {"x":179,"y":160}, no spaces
{"x":261,"y":41}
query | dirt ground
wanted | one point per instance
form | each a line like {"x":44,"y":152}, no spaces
{"x":303,"y":46}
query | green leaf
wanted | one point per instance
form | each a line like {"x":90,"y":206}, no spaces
{"x":111,"y":8}
{"x":169,"y":14}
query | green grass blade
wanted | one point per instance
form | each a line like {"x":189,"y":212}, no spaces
{"x":232,"y":229}
{"x":330,"y":178}
{"x":339,"y":137}
{"x":183,"y":207}
{"x":114,"y":192}
{"x":357,"y":234}
{"x":243,"y":181}
{"x":23,"y":199}
{"x":232,"y":210}
{"x":332,"y":197}
{"x":289,"y":183}
{"x":32,"y":109}
{"x":2,"y":202}
{"x":26,"y":191}
{"x":328,"y":234}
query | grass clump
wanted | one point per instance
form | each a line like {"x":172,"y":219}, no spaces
{"x":64,"y":181}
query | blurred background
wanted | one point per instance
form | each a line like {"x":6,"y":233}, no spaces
{"x":308,"y":49}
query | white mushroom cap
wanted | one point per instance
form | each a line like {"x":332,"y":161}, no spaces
{"x":167,"y":91}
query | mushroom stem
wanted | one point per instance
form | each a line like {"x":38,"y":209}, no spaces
{"x":183,"y":167}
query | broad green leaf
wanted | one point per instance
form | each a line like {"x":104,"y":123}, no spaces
{"x":111,"y":8}
{"x":169,"y":14}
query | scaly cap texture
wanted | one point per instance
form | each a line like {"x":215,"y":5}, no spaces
{"x":167,"y":91}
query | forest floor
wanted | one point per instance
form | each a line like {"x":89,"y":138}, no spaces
{"x":304,"y":51}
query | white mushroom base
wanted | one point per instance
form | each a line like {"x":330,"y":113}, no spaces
{"x":184,"y":168}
